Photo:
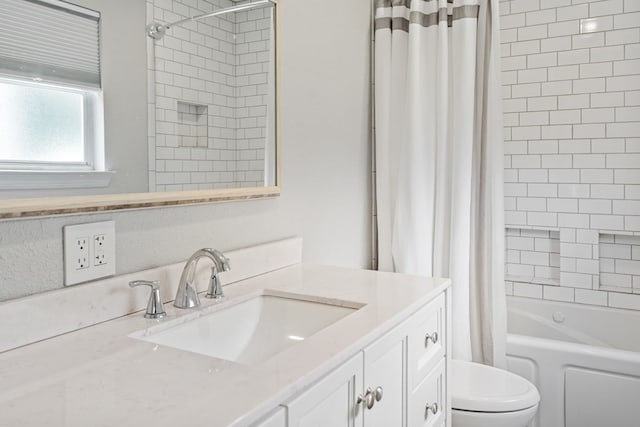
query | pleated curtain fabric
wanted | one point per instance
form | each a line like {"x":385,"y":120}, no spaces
{"x":439,"y":178}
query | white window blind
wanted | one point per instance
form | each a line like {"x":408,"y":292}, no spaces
{"x":50,"y":40}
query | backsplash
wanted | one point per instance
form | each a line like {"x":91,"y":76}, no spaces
{"x":571,"y":89}
{"x":48,"y":314}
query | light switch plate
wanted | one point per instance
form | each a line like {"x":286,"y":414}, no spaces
{"x":89,"y":252}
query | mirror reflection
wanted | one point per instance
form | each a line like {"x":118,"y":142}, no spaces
{"x":209,"y":97}
{"x":213,"y":101}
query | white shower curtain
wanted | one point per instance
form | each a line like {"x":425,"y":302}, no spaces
{"x":439,"y":158}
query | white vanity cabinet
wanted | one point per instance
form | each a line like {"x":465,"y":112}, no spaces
{"x":400,"y":378}
{"x":332,"y":400}
{"x":368,"y":390}
{"x":381,"y":363}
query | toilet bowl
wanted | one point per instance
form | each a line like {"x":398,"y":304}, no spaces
{"x":484,"y":396}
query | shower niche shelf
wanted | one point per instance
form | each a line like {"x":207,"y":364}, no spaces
{"x":532,"y":256}
{"x":619,"y":263}
{"x":193,"y":125}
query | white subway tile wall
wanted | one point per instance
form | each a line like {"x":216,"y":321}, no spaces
{"x":571,"y":89}
{"x":208,"y":96}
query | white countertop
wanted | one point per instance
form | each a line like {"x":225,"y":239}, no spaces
{"x":98,"y":376}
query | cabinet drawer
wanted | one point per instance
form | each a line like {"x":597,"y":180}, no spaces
{"x":426,"y":340}
{"x":427,"y":403}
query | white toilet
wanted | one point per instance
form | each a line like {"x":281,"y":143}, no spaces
{"x":484,"y":396}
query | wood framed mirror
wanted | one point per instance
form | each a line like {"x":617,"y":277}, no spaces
{"x":186,"y":118}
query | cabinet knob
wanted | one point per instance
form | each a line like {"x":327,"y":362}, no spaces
{"x":371,"y":399}
{"x":430,"y":337}
{"x":433,"y":408}
{"x":368,"y":398}
{"x":378,"y":393}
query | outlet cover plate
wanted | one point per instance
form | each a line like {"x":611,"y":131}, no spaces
{"x":106,"y":232}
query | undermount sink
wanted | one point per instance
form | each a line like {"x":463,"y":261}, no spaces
{"x":250,"y":331}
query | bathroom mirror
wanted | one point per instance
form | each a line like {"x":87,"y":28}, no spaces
{"x":190,"y":111}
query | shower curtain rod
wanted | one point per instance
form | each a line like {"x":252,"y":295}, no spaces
{"x":157,"y":31}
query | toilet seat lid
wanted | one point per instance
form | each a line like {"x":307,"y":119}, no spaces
{"x":481,"y":388}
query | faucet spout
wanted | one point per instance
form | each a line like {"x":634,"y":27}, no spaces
{"x":187,"y":295}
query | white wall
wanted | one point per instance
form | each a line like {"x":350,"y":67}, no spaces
{"x":325,"y":190}
{"x":571,"y":78}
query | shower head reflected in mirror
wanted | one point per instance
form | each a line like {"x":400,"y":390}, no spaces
{"x":157,"y":31}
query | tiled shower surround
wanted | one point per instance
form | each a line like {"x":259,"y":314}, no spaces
{"x":208,"y":97}
{"x":571,"y":83}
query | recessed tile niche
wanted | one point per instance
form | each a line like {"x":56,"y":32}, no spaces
{"x":192,"y":126}
{"x":533,"y":256}
{"x":620,"y":263}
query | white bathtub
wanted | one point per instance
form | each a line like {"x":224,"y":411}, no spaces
{"x":585,"y":362}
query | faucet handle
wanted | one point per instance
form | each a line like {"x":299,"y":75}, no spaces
{"x":155,"y":309}
{"x":226,"y":263}
{"x":221,"y":264}
{"x":215,"y":287}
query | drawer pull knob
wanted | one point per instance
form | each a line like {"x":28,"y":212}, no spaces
{"x":433,"y":408}
{"x":433,"y":337}
{"x":371,"y":399}
{"x":368,"y":398}
{"x":378,"y":393}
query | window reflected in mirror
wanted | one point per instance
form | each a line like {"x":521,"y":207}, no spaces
{"x":50,"y":89}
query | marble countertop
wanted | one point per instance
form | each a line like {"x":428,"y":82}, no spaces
{"x":99,"y":376}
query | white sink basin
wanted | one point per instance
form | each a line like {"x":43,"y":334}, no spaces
{"x":250,"y":331}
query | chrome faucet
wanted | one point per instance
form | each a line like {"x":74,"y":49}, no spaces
{"x":187,"y":295}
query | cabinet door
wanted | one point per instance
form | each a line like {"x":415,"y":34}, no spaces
{"x":331,"y":402}
{"x":277,"y":419}
{"x":384,"y":371}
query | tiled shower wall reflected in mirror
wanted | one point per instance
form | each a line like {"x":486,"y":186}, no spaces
{"x":214,"y":73}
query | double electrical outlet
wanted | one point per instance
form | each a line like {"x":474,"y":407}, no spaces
{"x":89,"y":252}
